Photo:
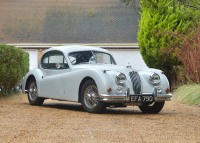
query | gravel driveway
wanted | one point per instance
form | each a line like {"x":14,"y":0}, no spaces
{"x":60,"y":122}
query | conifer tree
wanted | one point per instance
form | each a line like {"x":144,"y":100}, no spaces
{"x":159,"y":23}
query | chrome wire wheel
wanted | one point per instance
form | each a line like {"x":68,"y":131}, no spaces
{"x":91,"y":96}
{"x":32,"y":92}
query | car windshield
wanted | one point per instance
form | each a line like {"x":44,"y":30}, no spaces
{"x":90,"y":57}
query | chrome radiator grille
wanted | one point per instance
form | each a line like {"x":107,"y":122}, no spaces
{"x":135,"y":79}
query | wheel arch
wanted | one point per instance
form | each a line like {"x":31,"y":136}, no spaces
{"x":28,"y":80}
{"x":36,"y":73}
{"x":81,"y":85}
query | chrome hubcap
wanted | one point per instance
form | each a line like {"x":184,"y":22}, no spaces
{"x":91,"y":96}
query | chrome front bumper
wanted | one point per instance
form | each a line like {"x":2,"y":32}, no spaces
{"x":125,"y":98}
{"x":114,"y":98}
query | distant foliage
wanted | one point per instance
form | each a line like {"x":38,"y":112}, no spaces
{"x":159,"y":19}
{"x":14,"y":63}
{"x":189,"y":54}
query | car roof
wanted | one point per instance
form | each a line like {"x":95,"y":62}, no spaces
{"x":75,"y":48}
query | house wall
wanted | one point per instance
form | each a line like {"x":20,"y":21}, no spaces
{"x":33,"y":58}
{"x":129,"y":57}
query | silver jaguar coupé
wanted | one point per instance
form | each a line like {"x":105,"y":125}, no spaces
{"x":90,"y":75}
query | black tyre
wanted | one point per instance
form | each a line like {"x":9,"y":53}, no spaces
{"x":90,"y":98}
{"x":33,"y":93}
{"x":153,"y":108}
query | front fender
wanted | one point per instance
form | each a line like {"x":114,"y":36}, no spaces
{"x":108,"y":82}
{"x":100,"y":78}
{"x":104,"y":79}
{"x":147,"y":86}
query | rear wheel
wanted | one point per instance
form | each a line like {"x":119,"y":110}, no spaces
{"x":90,"y":98}
{"x":33,"y":93}
{"x":152,"y":108}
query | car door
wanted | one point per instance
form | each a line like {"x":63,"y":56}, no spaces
{"x":54,"y":66}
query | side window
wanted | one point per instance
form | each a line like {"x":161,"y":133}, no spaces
{"x":54,"y":60}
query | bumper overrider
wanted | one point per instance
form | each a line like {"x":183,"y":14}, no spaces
{"x":126,"y":98}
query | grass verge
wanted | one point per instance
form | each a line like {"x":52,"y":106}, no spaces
{"x":188,"y":94}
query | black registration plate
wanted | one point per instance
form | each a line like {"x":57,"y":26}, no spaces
{"x":142,"y":98}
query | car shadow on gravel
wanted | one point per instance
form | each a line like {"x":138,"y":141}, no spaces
{"x":78,"y":107}
{"x":121,"y":111}
{"x":64,"y":106}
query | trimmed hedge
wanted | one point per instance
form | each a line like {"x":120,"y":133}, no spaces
{"x":14,"y":64}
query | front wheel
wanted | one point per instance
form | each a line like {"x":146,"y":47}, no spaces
{"x":90,"y":98}
{"x":33,"y":93}
{"x":152,"y":108}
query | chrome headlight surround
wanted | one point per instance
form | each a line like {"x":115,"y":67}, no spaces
{"x":155,"y":79}
{"x":120,"y":78}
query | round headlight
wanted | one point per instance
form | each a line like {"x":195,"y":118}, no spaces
{"x":120,"y":78}
{"x":155,"y":79}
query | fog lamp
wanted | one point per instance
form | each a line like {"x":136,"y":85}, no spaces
{"x":159,"y":89}
{"x":119,"y":89}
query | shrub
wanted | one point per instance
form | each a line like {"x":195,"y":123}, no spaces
{"x":188,"y":94}
{"x":14,"y":63}
{"x":188,"y":53}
